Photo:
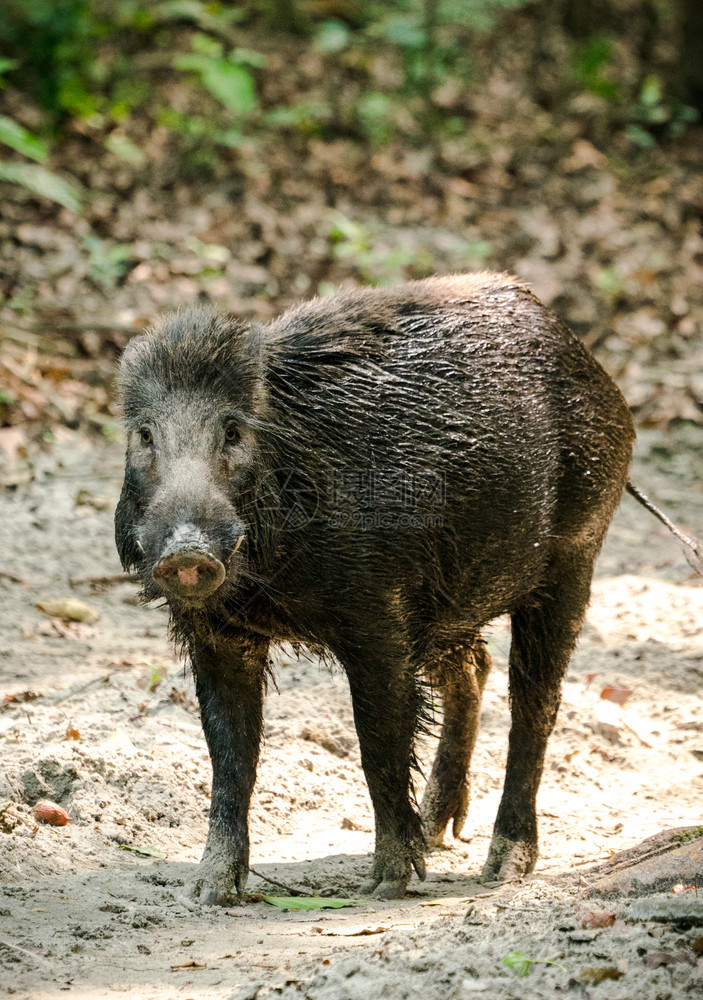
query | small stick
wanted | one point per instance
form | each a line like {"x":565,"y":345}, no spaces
{"x":13,"y":578}
{"x":82,"y":688}
{"x":281,"y":885}
{"x":24,"y":951}
{"x":103,"y":581}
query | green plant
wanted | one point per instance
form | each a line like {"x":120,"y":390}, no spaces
{"x":521,"y":963}
{"x":593,"y":68}
{"x":55,"y":43}
{"x":228,"y":78}
{"x":31,"y":176}
{"x":425,"y":32}
{"x":379,"y":261}
{"x":107,"y":262}
{"x":655,"y":112}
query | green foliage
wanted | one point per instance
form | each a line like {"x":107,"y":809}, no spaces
{"x":611,"y":284}
{"x":308,"y":902}
{"x":107,"y":262}
{"x":54,"y":44}
{"x":333,"y":36}
{"x":655,"y":112}
{"x":42,"y":182}
{"x":378,"y":263}
{"x":12,"y":134}
{"x":308,"y":117}
{"x":228,"y":78}
{"x":594,"y":65}
{"x":521,"y":963}
{"x":426,"y":33}
{"x":125,"y":149}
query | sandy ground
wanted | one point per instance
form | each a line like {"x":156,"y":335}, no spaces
{"x":103,"y":722}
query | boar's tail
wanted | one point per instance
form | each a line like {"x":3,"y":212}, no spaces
{"x":692,"y":548}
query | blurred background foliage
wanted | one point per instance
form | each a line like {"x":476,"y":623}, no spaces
{"x":100,"y":61}
{"x":154,"y":152}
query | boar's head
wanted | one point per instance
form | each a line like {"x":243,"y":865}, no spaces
{"x":194,"y":397}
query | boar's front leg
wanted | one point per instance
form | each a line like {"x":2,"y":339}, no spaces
{"x":386,"y":703}
{"x":229,"y":682}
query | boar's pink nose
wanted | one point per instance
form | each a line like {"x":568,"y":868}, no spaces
{"x":189,"y":574}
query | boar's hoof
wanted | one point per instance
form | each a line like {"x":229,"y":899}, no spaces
{"x":189,"y":575}
{"x":438,"y":809}
{"x":384,"y":890}
{"x":218,"y":882}
{"x":508,"y":859}
{"x":393,"y":863}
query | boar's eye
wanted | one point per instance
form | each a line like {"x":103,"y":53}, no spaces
{"x":146,"y":436}
{"x":231,"y":432}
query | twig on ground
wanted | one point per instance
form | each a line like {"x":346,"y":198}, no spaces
{"x":24,"y":951}
{"x":281,"y":885}
{"x":13,"y":578}
{"x":103,"y":581}
{"x":82,"y":688}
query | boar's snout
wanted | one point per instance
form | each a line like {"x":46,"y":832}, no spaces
{"x":189,"y":575}
{"x":187,"y":568}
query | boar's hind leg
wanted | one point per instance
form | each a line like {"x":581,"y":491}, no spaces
{"x":386,"y":701}
{"x":544,"y":633}
{"x":229,"y":682}
{"x":459,"y":673}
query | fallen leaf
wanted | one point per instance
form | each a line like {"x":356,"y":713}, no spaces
{"x":13,"y":442}
{"x":50,"y":813}
{"x":365,"y":932}
{"x":308,"y":902}
{"x":599,"y":975}
{"x":18,"y":698}
{"x":146,"y":852}
{"x":617,"y":695}
{"x":72,"y":733}
{"x":658,"y":958}
{"x":71,"y":609}
{"x":597,"y":918}
{"x":680,"y":887}
{"x":189,"y":965}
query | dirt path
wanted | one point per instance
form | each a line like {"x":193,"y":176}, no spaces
{"x":81,"y":912}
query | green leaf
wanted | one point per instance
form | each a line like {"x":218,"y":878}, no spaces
{"x":332,"y":36}
{"x":123,"y":147}
{"x":521,"y":963}
{"x":206,"y":46}
{"x":231,"y":84}
{"x":18,"y":138}
{"x":42,"y":182}
{"x":248,"y":57}
{"x":7,"y":64}
{"x":146,"y":852}
{"x":228,"y":81}
{"x":308,"y":902}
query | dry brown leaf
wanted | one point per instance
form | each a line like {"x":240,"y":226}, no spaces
{"x":658,"y":958}
{"x":600,"y":974}
{"x":69,"y":609}
{"x":597,"y":918}
{"x":50,"y":813}
{"x":617,"y":695}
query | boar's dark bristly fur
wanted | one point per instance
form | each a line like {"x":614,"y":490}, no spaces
{"x":381,"y":473}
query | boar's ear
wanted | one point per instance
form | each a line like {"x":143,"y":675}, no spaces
{"x":126,"y":516}
{"x":252,"y":342}
{"x":251,"y":349}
